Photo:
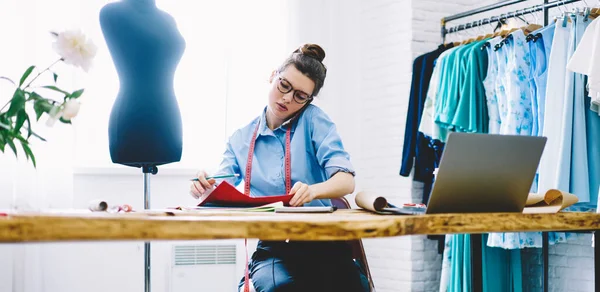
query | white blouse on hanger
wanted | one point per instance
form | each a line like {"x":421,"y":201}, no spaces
{"x":586,"y":60}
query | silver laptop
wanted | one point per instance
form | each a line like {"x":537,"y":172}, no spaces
{"x":485,"y":173}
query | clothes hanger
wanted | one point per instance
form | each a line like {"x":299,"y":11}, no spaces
{"x":564,"y":17}
{"x":595,"y":11}
{"x":501,"y":26}
{"x":473,"y":38}
{"x":497,"y":33}
{"x":468,"y":40}
{"x":489,"y":36}
{"x":481,"y":33}
{"x":531,"y":36}
{"x":530,"y":27}
{"x":458,"y":34}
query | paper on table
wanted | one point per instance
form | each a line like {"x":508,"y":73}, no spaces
{"x":264,"y":208}
{"x":552,"y":201}
{"x":226,"y":195}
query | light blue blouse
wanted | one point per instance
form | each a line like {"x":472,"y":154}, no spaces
{"x":317,"y":153}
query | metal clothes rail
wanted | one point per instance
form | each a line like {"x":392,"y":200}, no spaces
{"x":545,"y":7}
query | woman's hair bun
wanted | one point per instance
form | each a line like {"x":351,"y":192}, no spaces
{"x":312,"y":50}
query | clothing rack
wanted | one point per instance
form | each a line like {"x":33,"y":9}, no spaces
{"x":545,"y":7}
{"x":476,"y":239}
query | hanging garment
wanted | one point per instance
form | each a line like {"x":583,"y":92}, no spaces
{"x":450,"y":83}
{"x":564,"y":162}
{"x":501,"y":85}
{"x":579,"y":183}
{"x":514,"y":63}
{"x":540,"y":49}
{"x":502,"y":270}
{"x":585,"y":60}
{"x":471,"y":113}
{"x":423,"y":67}
{"x":456,"y":264}
{"x":554,"y":167}
{"x":519,"y":119}
{"x":490,"y":87}
{"x":428,"y":126}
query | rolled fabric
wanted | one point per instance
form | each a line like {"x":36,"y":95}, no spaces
{"x":98,"y":206}
{"x":370,"y":202}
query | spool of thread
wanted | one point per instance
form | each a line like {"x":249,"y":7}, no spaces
{"x":98,"y":206}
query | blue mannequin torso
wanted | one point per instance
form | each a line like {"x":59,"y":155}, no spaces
{"x":145,"y":45}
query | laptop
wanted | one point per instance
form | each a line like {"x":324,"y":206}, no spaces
{"x":481,"y":173}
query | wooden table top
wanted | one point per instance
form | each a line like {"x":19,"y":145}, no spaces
{"x":58,"y":226}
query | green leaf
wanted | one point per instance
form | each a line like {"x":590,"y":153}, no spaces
{"x":21,"y":117}
{"x":12,"y":146}
{"x":28,"y":152}
{"x":2,"y":140}
{"x":52,"y":87}
{"x":17,"y":103}
{"x":37,"y":136}
{"x":8,"y":79}
{"x":25,"y":75}
{"x":5,"y":126}
{"x":55,"y":76}
{"x":77,"y":93}
{"x":29,"y":131}
{"x":65,"y":121}
{"x":41,"y":106}
{"x":35,"y":96}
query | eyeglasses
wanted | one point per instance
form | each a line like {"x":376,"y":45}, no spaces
{"x":285,"y":87}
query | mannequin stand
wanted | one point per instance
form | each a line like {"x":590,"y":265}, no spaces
{"x":147,"y":170}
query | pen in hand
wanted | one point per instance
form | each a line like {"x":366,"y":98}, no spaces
{"x":218,"y":176}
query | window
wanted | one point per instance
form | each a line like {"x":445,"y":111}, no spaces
{"x":221,"y":81}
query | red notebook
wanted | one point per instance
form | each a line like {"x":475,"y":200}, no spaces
{"x":227,"y":195}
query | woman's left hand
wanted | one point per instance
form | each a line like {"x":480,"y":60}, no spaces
{"x":303,"y":194}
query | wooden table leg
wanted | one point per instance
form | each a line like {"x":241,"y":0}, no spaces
{"x":476,"y":263}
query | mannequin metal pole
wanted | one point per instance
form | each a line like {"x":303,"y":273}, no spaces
{"x":147,"y":244}
{"x":148,"y":170}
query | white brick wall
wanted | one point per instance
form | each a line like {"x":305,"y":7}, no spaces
{"x":385,"y":83}
{"x":571,"y":267}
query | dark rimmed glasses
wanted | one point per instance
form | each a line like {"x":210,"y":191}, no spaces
{"x":285,"y":87}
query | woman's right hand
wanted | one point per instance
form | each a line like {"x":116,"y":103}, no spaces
{"x":201,"y":188}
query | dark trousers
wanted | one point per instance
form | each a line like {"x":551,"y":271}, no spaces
{"x":305,"y":266}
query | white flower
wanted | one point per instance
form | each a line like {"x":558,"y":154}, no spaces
{"x":71,"y":109}
{"x":75,"y":48}
{"x":53,"y":116}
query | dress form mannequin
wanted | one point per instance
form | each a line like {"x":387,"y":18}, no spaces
{"x":145,"y":45}
{"x":145,"y":123}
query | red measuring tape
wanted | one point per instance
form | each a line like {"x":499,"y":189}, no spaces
{"x":288,"y":182}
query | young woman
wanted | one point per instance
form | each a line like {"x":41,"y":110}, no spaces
{"x":293,"y":148}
